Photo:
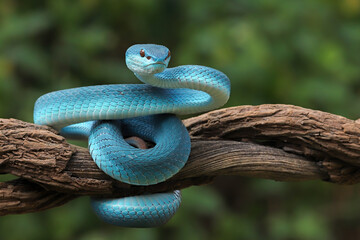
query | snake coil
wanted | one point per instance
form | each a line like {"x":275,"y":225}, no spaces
{"x":105,"y":114}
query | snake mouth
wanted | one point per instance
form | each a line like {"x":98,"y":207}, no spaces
{"x":156,"y":64}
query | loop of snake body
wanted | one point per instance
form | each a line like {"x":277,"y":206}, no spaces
{"x":108,"y":113}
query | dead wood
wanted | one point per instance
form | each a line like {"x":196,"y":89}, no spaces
{"x":280,"y":142}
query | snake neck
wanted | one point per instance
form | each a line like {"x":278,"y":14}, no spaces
{"x":211,"y":81}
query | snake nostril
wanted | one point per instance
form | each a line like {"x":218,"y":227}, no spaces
{"x":148,"y":57}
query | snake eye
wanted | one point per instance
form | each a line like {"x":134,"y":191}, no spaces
{"x":142,"y":53}
{"x":169,"y":54}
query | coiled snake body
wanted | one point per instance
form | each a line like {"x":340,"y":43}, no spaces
{"x":107,"y":113}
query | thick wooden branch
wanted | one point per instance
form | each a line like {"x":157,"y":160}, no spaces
{"x":22,"y":196}
{"x":279,"y":142}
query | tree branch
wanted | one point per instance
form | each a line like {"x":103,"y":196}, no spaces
{"x":280,"y":142}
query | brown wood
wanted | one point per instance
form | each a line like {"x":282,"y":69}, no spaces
{"x":280,"y":142}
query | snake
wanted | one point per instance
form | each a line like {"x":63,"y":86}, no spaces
{"x":107,"y":114}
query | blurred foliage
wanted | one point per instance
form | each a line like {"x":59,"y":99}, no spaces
{"x":304,"y":53}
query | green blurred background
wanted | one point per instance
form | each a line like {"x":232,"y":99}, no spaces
{"x":305,"y":53}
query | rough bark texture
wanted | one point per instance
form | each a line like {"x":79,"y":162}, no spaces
{"x":280,"y":142}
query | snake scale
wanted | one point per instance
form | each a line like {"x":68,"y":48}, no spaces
{"x":106,"y":114}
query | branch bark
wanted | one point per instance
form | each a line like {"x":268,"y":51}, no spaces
{"x":280,"y":142}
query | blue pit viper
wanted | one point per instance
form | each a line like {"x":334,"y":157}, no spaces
{"x":106,"y":113}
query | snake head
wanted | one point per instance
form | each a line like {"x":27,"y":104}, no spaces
{"x":147,"y":59}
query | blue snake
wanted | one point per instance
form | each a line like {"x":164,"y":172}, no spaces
{"x":106,"y":114}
